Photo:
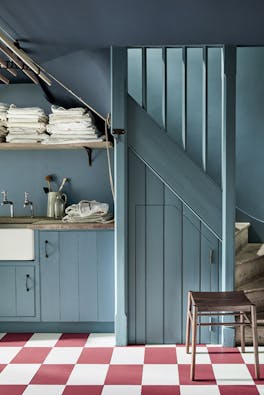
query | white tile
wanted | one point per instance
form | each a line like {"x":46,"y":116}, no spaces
{"x":200,"y":390}
{"x":121,"y":390}
{"x":163,"y":374}
{"x":128,"y":355}
{"x":43,"y":340}
{"x":101,"y":340}
{"x":63,"y":355}
{"x":232,"y":374}
{"x":249,"y":358}
{"x":8,"y":353}
{"x":202,"y":356}
{"x":88,"y":374}
{"x":18,"y":374}
{"x":44,"y":390}
{"x":251,"y":349}
{"x":260,"y":389}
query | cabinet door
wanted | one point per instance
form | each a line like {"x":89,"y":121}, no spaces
{"x":49,"y":275}
{"x":17,"y":284}
{"x":77,"y":276}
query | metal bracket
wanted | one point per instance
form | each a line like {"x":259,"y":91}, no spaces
{"x":89,"y":153}
{"x":118,"y":132}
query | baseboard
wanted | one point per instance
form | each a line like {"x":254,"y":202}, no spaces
{"x":70,"y":327}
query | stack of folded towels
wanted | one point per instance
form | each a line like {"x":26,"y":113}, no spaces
{"x":88,"y":211}
{"x":26,"y":125}
{"x":3,"y":117}
{"x":75,"y":125}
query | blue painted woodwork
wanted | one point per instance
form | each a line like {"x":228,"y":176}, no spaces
{"x":77,"y":277}
{"x":164,"y":156}
{"x":118,"y":113}
{"x":18,"y":291}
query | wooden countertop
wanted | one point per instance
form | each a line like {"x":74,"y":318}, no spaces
{"x":44,"y":223}
{"x":59,"y":225}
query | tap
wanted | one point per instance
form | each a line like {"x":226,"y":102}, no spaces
{"x":5,"y":201}
{"x":27,"y":202}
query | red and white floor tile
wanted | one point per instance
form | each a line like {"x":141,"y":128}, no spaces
{"x":82,"y":364}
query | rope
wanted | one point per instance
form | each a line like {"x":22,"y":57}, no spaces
{"x":107,"y":126}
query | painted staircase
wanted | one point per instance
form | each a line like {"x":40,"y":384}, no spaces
{"x":249,"y":276}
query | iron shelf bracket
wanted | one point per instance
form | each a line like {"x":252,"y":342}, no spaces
{"x":89,"y":153}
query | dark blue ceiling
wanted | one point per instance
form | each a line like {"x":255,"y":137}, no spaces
{"x":71,"y":39}
{"x":54,"y":28}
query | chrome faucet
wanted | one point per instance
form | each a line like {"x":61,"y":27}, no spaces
{"x":5,"y":201}
{"x":27,"y":202}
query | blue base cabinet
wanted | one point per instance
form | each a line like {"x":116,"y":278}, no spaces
{"x":18,"y":291}
{"x":77,"y":276}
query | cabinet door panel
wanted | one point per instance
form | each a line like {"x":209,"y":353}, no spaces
{"x":105,"y":259}
{"x":69,"y":281}
{"x":8,"y":291}
{"x":49,"y":272}
{"x":25,"y":291}
{"x":87,"y":256}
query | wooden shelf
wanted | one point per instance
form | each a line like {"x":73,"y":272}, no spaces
{"x":38,"y":146}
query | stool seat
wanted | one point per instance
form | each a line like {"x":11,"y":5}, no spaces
{"x":221,"y":301}
{"x":230,"y":303}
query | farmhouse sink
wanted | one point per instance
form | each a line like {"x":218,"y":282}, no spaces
{"x":16,"y":244}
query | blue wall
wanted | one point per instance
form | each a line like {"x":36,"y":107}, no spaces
{"x":25,"y":170}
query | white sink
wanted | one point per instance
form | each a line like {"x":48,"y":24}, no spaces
{"x":16,"y":244}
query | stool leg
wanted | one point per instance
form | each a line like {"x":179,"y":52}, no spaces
{"x":194,"y":331}
{"x":242,"y":332}
{"x":255,"y":339}
{"x":188,"y":323}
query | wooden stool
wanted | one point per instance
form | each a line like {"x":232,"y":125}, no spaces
{"x":220,"y":303}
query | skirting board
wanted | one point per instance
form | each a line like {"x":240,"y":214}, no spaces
{"x":67,"y":327}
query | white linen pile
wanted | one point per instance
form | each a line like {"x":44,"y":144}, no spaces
{"x":88,"y":211}
{"x":26,"y":125}
{"x":3,"y":117}
{"x":74,"y":125}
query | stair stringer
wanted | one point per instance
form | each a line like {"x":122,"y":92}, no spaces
{"x":173,"y":166}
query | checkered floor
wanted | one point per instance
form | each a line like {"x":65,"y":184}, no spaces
{"x":82,"y":364}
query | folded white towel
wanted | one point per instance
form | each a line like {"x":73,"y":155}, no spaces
{"x":27,"y":110}
{"x":58,"y":118}
{"x":62,"y":110}
{"x":86,"y":208}
{"x":104,"y":219}
{"x":73,"y":141}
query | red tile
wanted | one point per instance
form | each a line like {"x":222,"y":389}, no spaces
{"x":225,"y":355}
{"x":2,"y":366}
{"x":96,"y":355}
{"x":83,"y":390}
{"x":204,"y":375}
{"x":52,"y":374}
{"x":238,"y":390}
{"x":72,"y":340}
{"x":31,"y":355}
{"x":251,"y":369}
{"x":12,"y":389}
{"x":160,"y":390}
{"x":124,"y":374}
{"x":160,"y":355}
{"x":15,"y":339}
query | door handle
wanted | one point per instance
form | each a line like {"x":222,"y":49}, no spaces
{"x":46,"y":252}
{"x":27,"y":284}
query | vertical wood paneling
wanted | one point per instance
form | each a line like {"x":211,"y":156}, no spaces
{"x":105,"y":277}
{"x":25,"y":298}
{"x":191,"y":261}
{"x":49,"y":274}
{"x":184,"y":98}
{"x":205,"y":109}
{"x":88,"y":284}
{"x":172,"y":268}
{"x":154,"y":91}
{"x":140,"y":274}
{"x":154,"y":258}
{"x":8,"y":291}
{"x":69,"y":277}
{"x":134,"y":73}
{"x":194,"y":103}
{"x":174,"y":94}
{"x":136,"y":290}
